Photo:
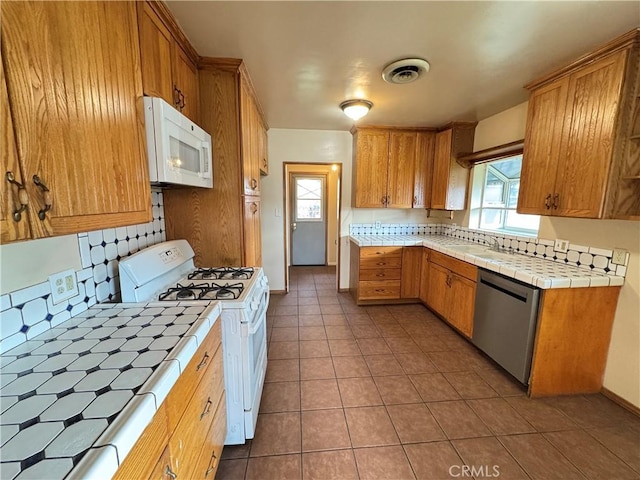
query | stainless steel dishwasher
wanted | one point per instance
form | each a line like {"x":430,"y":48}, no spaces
{"x":504,"y":324}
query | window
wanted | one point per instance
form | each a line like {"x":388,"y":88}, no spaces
{"x":495,"y":196}
{"x":308,"y":198}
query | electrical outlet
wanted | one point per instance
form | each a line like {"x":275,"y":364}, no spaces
{"x":378,"y":225}
{"x":619,"y":256}
{"x":561,"y":245}
{"x":63,"y":286}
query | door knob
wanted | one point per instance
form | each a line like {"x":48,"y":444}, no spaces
{"x":293,"y":226}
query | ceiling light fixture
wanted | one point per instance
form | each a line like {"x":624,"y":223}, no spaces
{"x":356,"y":109}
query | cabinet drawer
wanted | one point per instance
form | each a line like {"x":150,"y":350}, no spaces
{"x":380,"y":274}
{"x":379,"y":290}
{"x":366,"y":252}
{"x":195,"y":371}
{"x":463,"y":269}
{"x":140,"y":461}
{"x":212,"y":449}
{"x":381,"y":262}
{"x":190,"y":434}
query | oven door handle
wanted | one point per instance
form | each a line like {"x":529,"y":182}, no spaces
{"x":255,"y":326}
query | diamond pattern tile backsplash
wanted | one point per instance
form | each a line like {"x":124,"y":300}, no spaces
{"x":30,"y":311}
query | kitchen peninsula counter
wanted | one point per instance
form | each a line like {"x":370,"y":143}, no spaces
{"x":76,"y":398}
{"x":533,"y":270}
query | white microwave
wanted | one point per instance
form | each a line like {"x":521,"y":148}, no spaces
{"x":179,"y":151}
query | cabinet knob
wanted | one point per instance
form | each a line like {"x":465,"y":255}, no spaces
{"x":254,"y":208}
{"x":46,"y":197}
{"x":23,"y":198}
{"x":253,"y":184}
{"x":170,"y":473}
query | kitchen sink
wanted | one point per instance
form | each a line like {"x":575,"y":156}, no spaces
{"x":472,"y":249}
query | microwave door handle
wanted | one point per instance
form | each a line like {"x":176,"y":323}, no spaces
{"x":204,"y":159}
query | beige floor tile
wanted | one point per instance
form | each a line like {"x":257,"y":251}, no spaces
{"x":338,"y":332}
{"x":289,"y":321}
{"x":335,"y":465}
{"x":324,"y":430}
{"x":347,"y":367}
{"x":334,"y":320}
{"x":414,"y":423}
{"x":319,"y":394}
{"x":470,"y":385}
{"x":397,"y":389}
{"x":365,"y":331}
{"x":499,"y":416}
{"x":232,"y":469}
{"x":489,"y":456}
{"x":230,"y":452}
{"x":415,"y":363}
{"x":287,"y":370}
{"x":312,"y":333}
{"x":449,"y":362}
{"x":458,"y":420}
{"x":280,"y":397}
{"x":433,"y":387}
{"x":392,"y":330}
{"x":621,"y":440}
{"x":331,"y":309}
{"x":540,"y":415}
{"x":310,"y":321}
{"x":343,"y":348}
{"x":383,"y":365}
{"x":308,"y":310}
{"x":358,"y":392}
{"x":287,"y":310}
{"x":402,"y":345}
{"x":314,"y":349}
{"x":383,"y":463}
{"x":276,"y":434}
{"x":316,"y":368}
{"x":431,"y":461}
{"x":283,"y":350}
{"x":286,"y":334}
{"x":373,"y":346}
{"x":307,"y":300}
{"x":501,"y":382}
{"x":281,"y":467}
{"x":370,"y":427}
{"x":430,"y":343}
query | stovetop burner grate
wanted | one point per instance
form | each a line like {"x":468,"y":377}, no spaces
{"x":203,"y":291}
{"x":222,"y":273}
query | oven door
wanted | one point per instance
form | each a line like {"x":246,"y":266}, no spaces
{"x":254,"y":360}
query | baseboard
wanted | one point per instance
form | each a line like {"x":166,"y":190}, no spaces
{"x":343,"y":290}
{"x":277,"y":292}
{"x":620,"y":401}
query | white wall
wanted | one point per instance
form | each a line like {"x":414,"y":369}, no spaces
{"x":314,"y":146}
{"x":622,"y":375}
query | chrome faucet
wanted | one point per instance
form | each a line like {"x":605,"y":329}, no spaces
{"x":495,"y":246}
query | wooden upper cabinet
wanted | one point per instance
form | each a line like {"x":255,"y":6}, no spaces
{"x":400,"y":179}
{"x":541,"y":147}
{"x":371,"y":158}
{"x":264,"y":149}
{"x":423,"y":169}
{"x":76,"y":107}
{"x":251,"y":139}
{"x":450,"y":179}
{"x":14,"y":224}
{"x":252,"y":231}
{"x":167,"y":70}
{"x":582,"y":150}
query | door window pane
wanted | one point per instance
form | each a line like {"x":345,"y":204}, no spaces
{"x":309,"y":198}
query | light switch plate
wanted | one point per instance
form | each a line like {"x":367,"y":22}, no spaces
{"x":619,"y":256}
{"x":561,"y":245}
{"x":63,"y":286}
{"x":378,"y":225}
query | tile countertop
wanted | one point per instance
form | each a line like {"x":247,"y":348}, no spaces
{"x":533,"y":271}
{"x":75,"y":399}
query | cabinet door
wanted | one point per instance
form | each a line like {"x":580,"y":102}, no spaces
{"x":372,"y":161}
{"x":438,"y":289}
{"x":441,"y":165}
{"x":541,"y":147}
{"x":156,"y":46}
{"x":424,"y":275}
{"x":77,"y":111}
{"x":588,"y":137}
{"x":411,"y":261}
{"x":423,"y":170}
{"x":402,"y":157}
{"x":11,"y":196}
{"x":250,"y":163}
{"x":252,"y":234}
{"x":462,"y":295}
{"x":186,"y":80}
{"x":264,"y":149}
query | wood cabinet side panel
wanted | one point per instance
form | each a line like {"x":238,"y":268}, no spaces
{"x":423,"y":170}
{"x":441,"y":165}
{"x":545,"y":119}
{"x":424,"y":274}
{"x":354,"y":270}
{"x":400,"y":176}
{"x":572,"y":340}
{"x":411,"y":264}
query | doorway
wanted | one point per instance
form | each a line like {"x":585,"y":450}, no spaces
{"x":308,"y":219}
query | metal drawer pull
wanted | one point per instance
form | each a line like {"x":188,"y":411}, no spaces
{"x":253,"y":183}
{"x":203,"y":362}
{"x":547,"y":202}
{"x":556,"y":200}
{"x":167,"y":471}
{"x":381,"y":263}
{"x":46,"y":195}
{"x":254,"y":208}
{"x":23,"y":197}
{"x":380,"y":275}
{"x":212,"y":464}
{"x":207,"y":408}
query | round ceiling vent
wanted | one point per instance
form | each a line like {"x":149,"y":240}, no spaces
{"x":405,"y":71}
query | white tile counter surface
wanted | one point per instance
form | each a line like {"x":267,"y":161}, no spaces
{"x":528,"y":269}
{"x":75,"y":399}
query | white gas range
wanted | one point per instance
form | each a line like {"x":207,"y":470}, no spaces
{"x":166,"y":272}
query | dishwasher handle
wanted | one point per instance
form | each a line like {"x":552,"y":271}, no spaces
{"x":508,"y":286}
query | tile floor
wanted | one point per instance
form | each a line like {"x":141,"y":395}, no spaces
{"x":391,"y":392}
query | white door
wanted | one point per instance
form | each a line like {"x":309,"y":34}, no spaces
{"x":309,"y":220}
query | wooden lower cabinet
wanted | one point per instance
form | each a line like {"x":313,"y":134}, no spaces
{"x":375,"y":273}
{"x":451,"y":291}
{"x":186,"y":436}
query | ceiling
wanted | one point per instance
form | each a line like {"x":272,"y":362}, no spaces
{"x":306,"y":57}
